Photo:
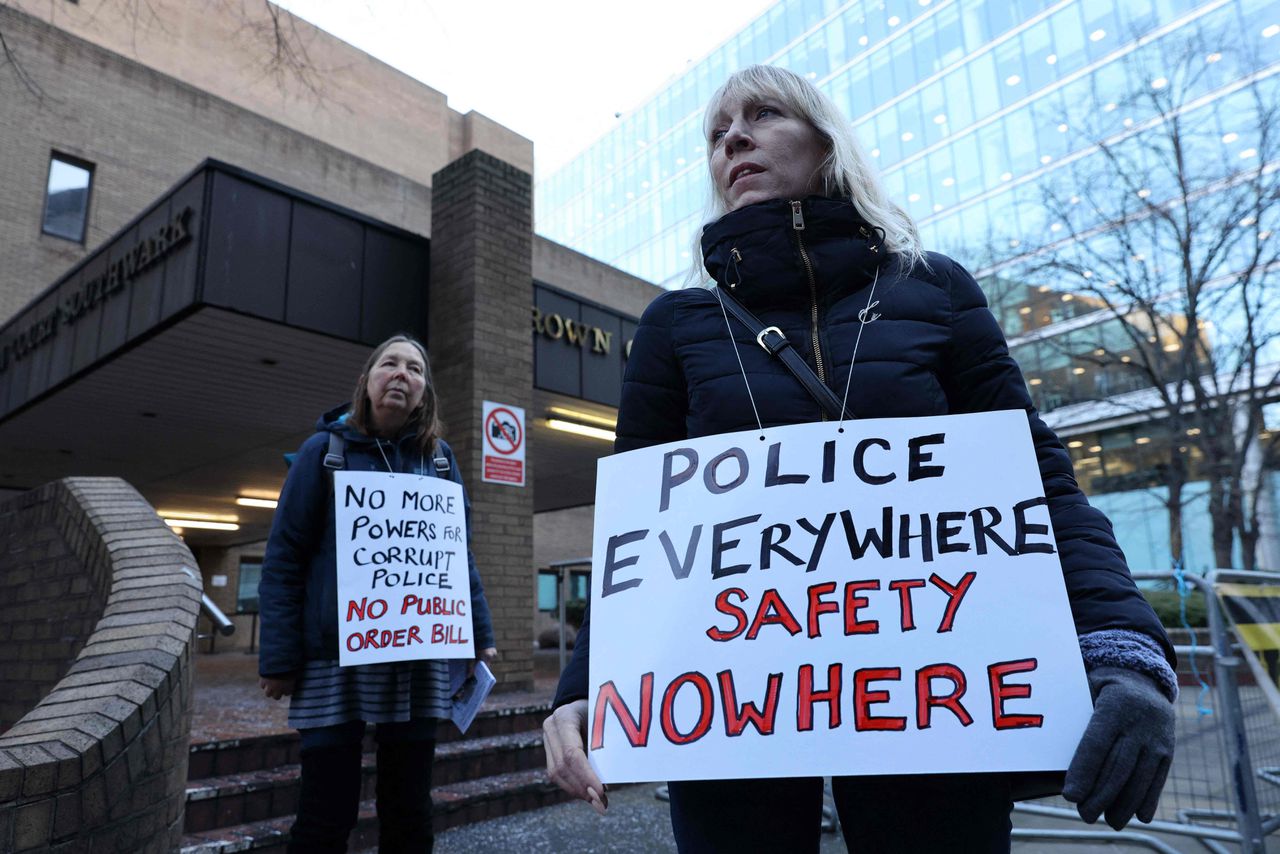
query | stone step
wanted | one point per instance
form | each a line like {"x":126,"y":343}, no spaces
{"x":503,"y":720}
{"x":251,"y":796}
{"x":455,"y":804}
{"x":254,"y":753}
{"x":241,"y":755}
{"x":493,"y":797}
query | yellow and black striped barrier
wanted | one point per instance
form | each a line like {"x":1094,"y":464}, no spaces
{"x":1254,"y":612}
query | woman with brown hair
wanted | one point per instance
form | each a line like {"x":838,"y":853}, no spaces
{"x":391,"y":426}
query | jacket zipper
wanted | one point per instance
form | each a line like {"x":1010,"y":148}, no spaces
{"x":797,"y":225}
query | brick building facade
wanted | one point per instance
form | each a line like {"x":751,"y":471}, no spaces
{"x":356,"y":146}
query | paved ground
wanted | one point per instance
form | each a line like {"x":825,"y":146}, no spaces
{"x":228,"y":704}
{"x":637,"y":823}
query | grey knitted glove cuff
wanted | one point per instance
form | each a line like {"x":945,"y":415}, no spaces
{"x":1132,"y":651}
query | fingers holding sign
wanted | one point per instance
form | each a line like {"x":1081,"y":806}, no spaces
{"x":564,"y":736}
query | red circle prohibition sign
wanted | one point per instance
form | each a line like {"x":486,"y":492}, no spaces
{"x":501,"y":432}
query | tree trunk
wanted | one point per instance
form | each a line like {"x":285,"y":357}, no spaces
{"x":1249,"y":547}
{"x":1224,"y":525}
{"x":1175,"y":520}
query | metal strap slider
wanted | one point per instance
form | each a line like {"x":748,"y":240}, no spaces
{"x":776,"y":331}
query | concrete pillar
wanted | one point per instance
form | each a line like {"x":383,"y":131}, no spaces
{"x":478,"y":335}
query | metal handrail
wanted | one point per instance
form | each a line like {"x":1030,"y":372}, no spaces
{"x":221,"y":623}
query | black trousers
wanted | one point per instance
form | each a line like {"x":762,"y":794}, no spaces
{"x":329,"y":799}
{"x":955,"y":813}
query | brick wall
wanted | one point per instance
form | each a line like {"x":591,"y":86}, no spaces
{"x":481,"y":275}
{"x":144,"y":131}
{"x":342,"y":94}
{"x":49,"y":599}
{"x":591,"y":279}
{"x":100,"y":762}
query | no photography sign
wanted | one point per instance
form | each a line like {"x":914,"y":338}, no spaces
{"x":504,"y":444}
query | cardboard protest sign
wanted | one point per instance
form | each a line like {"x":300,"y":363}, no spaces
{"x":882,"y":597}
{"x":404,"y":592}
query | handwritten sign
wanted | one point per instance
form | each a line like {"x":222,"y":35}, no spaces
{"x":403,"y":588}
{"x":884,"y":597}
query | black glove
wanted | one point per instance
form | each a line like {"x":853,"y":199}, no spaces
{"x":1121,"y":762}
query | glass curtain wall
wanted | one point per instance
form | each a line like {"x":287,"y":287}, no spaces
{"x":971,"y":109}
{"x":966,"y":105}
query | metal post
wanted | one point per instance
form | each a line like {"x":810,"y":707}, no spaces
{"x":1225,"y":664}
{"x":562,"y":567}
{"x":563,"y":581}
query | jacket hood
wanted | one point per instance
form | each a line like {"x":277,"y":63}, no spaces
{"x":334,"y":420}
{"x":767,"y":254}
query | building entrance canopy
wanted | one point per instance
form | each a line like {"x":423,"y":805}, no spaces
{"x":194,"y":349}
{"x":198,"y":346}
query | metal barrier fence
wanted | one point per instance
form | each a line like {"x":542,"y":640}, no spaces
{"x":1224,"y":783}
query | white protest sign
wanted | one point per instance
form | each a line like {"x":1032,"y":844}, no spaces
{"x":880,"y":598}
{"x":404,"y":592}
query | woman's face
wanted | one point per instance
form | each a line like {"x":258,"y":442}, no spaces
{"x":396,"y":383}
{"x":761,"y":150}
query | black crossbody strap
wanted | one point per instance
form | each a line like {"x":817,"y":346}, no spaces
{"x":776,"y":344}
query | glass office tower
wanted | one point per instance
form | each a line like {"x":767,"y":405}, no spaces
{"x":970,"y":108}
{"x":964,"y":104}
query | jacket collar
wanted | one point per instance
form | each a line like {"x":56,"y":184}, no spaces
{"x":756,"y":252}
{"x":335,"y":421}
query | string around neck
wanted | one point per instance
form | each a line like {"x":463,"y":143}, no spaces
{"x":390,"y":470}
{"x":864,"y":317}
{"x":421,"y":459}
{"x":729,"y":328}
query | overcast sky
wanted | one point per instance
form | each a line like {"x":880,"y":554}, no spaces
{"x":555,"y":71}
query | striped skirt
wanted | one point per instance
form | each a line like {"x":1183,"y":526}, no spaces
{"x":327,"y":694}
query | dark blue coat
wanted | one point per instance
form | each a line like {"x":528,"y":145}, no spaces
{"x":298,"y":593}
{"x":934,"y":350}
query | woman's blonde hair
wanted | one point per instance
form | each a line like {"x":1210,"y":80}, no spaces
{"x":425,"y":418}
{"x":845,"y":173}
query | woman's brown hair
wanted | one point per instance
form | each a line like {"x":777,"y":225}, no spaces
{"x":425,"y":418}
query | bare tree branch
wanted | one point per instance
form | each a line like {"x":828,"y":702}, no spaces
{"x":1173,"y":240}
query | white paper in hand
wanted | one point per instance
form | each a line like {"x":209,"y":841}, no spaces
{"x":468,"y":693}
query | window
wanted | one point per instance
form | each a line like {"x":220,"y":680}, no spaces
{"x":247,"y":587}
{"x":66,"y":201}
{"x":548,"y":592}
{"x":548,"y":595}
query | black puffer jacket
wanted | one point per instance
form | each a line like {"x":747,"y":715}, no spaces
{"x":807,"y":267}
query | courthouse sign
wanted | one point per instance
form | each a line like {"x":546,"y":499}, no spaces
{"x":127,"y":266}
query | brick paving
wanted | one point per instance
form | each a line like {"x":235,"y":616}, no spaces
{"x":228,"y":704}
